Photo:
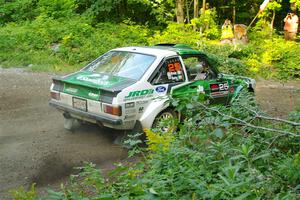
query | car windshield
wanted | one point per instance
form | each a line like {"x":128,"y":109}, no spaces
{"x":122,"y":63}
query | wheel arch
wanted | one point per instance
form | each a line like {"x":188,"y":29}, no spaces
{"x":152,"y":111}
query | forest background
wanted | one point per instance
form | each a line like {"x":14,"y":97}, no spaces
{"x":64,"y":35}
{"x":235,"y":152}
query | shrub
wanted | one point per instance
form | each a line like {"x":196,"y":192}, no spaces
{"x":219,"y":153}
{"x":60,"y":45}
{"x":176,"y":33}
{"x":22,"y":194}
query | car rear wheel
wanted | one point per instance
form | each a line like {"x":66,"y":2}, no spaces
{"x":165,"y":121}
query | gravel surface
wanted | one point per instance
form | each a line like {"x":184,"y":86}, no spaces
{"x":278,"y":99}
{"x":34,"y":146}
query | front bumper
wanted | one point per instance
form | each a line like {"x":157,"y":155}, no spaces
{"x":98,"y":118}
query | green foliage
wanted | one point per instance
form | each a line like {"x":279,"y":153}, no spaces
{"x":163,"y":10}
{"x":49,"y":44}
{"x":270,"y":58}
{"x":219,"y":152}
{"x":176,"y":33}
{"x":22,"y":194}
{"x":207,"y":25}
{"x":273,"y":6}
{"x":296,"y":2}
{"x":54,"y":45}
{"x":65,"y":35}
{"x":139,"y":11}
{"x":17,"y":10}
{"x":56,"y":8}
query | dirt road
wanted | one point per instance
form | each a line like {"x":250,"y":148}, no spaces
{"x":34,"y":147}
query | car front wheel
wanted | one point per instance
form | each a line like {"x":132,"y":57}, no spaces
{"x":165,"y":121}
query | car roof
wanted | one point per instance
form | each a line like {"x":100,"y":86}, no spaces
{"x":158,"y":52}
{"x":164,"y":50}
{"x":181,"y":49}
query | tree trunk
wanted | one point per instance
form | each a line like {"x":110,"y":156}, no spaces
{"x":202,"y":12}
{"x":187,"y":12}
{"x":179,"y":11}
{"x":196,"y":8}
{"x":272,"y":22}
{"x":233,"y":13}
{"x":203,"y":6}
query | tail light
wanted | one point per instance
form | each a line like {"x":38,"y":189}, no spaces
{"x":55,"y":95}
{"x":113,"y":110}
{"x":57,"y":85}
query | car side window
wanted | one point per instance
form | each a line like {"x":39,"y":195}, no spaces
{"x":170,"y":72}
{"x":198,"y":68}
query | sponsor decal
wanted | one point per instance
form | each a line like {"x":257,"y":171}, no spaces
{"x":176,"y":76}
{"x":71,"y":90}
{"x":129,"y":105}
{"x":141,"y":102}
{"x":139,"y":94}
{"x":219,"y":94}
{"x":95,"y":78}
{"x":200,"y":89}
{"x":141,"y":109}
{"x":160,"y":89}
{"x":214,"y":87}
{"x":130,"y":111}
{"x":91,"y":94}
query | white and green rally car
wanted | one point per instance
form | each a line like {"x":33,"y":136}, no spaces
{"x":128,"y":88}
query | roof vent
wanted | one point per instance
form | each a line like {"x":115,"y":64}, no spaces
{"x":165,"y":45}
{"x":181,"y":46}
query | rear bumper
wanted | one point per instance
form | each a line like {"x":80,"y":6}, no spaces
{"x":80,"y":113}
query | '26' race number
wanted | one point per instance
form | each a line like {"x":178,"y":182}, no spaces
{"x":223,"y":86}
{"x":219,"y":87}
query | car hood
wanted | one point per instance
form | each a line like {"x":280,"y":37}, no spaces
{"x":98,"y":81}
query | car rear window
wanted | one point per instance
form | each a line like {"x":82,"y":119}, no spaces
{"x":121,"y":63}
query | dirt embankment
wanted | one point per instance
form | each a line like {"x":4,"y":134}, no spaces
{"x":34,"y":147}
{"x":278,"y":99}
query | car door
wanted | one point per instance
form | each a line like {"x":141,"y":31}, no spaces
{"x":203,"y":78}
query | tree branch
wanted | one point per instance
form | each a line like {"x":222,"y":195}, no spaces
{"x":257,"y":115}
{"x":248,"y":124}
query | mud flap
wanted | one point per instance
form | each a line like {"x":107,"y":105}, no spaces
{"x":69,"y":123}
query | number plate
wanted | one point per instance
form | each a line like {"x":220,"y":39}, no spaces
{"x":80,"y":104}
